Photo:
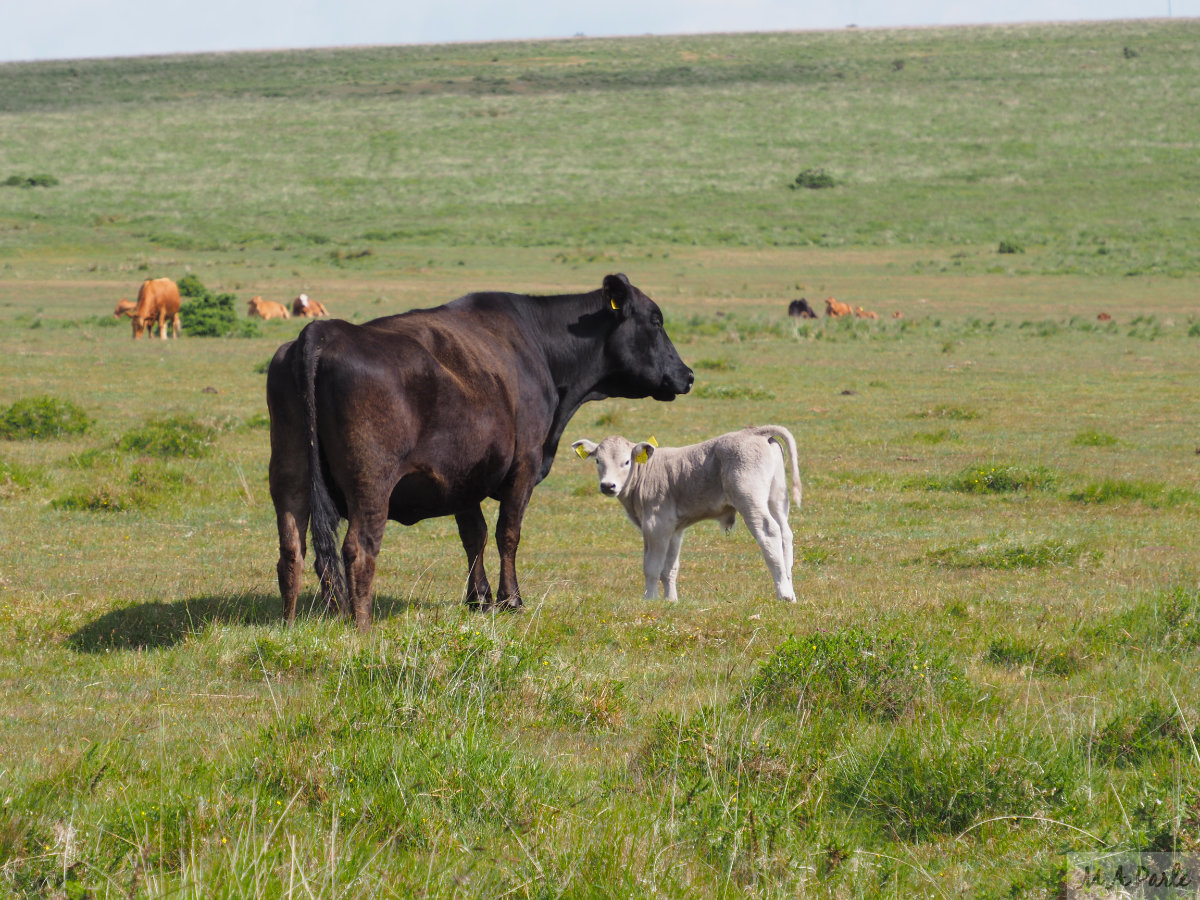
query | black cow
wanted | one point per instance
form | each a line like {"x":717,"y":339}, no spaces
{"x":427,"y":413}
{"x":799,"y":309}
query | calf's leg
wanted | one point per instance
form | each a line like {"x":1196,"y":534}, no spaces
{"x":670,"y":571}
{"x":767,"y":532}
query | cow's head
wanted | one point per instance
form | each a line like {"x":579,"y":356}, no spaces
{"x":615,"y":458}
{"x":253,"y":305}
{"x":642,"y":360}
{"x":139,"y":325}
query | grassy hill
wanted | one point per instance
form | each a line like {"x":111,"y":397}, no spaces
{"x":989,"y":680}
{"x":1070,"y":142}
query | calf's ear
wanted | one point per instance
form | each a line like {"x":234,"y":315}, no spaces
{"x":642,"y":452}
{"x":584,"y":448}
{"x":617,"y":291}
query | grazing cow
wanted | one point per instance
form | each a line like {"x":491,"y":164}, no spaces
{"x":124,"y":308}
{"x":865,"y":313}
{"x":267,"y":309}
{"x":429,"y":412}
{"x":158,"y":301}
{"x":306,"y":307}
{"x":666,"y":489}
{"x":837,"y":309}
{"x":799,"y":309}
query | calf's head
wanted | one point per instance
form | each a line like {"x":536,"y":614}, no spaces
{"x":643,"y":361}
{"x":615,"y":458}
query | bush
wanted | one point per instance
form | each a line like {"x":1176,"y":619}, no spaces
{"x":215,"y":316}
{"x":813,"y":179}
{"x":1010,"y":247}
{"x":43,"y":417}
{"x":30,"y":181}
{"x":173,"y":436}
{"x":854,"y":672}
{"x":191,"y":286}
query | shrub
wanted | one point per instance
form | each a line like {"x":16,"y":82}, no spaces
{"x":1010,"y":247}
{"x":30,"y":181}
{"x":813,"y":179}
{"x":191,"y":286}
{"x":215,"y":316}
{"x":102,"y":500}
{"x":854,"y":672}
{"x":43,"y":417}
{"x":172,"y":436}
{"x":994,"y":480}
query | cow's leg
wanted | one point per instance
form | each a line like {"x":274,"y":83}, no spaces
{"x":508,"y":536}
{"x":656,"y":543}
{"x":292,"y":525}
{"x":472,"y":529}
{"x":162,"y":326}
{"x":779,"y":508}
{"x":364,"y":536}
{"x":770,"y":539}
{"x":670,"y":572}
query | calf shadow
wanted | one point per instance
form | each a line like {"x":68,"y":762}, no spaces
{"x":158,"y":624}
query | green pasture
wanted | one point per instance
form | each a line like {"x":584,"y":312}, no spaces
{"x":992,"y":664}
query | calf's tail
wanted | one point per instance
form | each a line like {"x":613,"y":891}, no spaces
{"x":323,"y":513}
{"x":788,"y":444}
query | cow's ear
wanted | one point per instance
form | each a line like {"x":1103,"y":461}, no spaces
{"x":617,"y":292}
{"x":584,"y":448}
{"x":642,"y":452}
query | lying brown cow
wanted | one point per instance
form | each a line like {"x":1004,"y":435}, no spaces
{"x":158,"y":301}
{"x":837,"y":309}
{"x":865,"y":313}
{"x":267,"y":309}
{"x":306,"y":307}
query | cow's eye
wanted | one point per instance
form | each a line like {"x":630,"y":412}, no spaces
{"x":625,"y":464}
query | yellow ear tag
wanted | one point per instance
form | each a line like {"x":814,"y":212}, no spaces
{"x":642,"y":457}
{"x":613,"y":303}
{"x":581,"y":452}
{"x":652,"y":441}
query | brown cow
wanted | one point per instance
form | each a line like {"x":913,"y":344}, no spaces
{"x":837,"y":309}
{"x":1104,"y":317}
{"x":267,"y":309}
{"x":124,"y":308}
{"x":865,"y":313}
{"x":158,"y":301}
{"x":306,"y":307}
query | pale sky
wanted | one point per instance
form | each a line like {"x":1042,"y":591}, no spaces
{"x":69,"y":29}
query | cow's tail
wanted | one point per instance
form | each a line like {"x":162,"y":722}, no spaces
{"x":788,"y":444}
{"x":323,"y":514}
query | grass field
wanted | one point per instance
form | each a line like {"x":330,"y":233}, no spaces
{"x":992,"y":665}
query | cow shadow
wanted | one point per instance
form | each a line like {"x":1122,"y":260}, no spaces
{"x":158,"y":624}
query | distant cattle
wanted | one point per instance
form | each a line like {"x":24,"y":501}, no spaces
{"x":267,"y":309}
{"x":1104,"y":317}
{"x":666,"y":489}
{"x":837,"y":309}
{"x":897,"y":314}
{"x":305,"y":306}
{"x":799,"y":309}
{"x":158,"y":301}
{"x":865,"y":313}
{"x":430,"y":412}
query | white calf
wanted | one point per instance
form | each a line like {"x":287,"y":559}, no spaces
{"x":666,"y":489}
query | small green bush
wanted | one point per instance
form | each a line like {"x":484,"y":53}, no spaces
{"x":191,"y":286}
{"x":854,"y":672}
{"x":215,"y":316}
{"x":813,"y":179}
{"x":1010,"y":247}
{"x":172,"y":436}
{"x":30,"y":181}
{"x":102,"y":500}
{"x":42,"y":418}
{"x":994,"y":480}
